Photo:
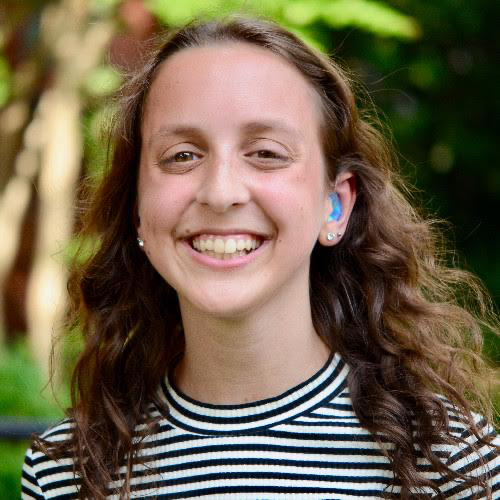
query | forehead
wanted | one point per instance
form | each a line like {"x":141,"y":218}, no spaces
{"x":231,"y":82}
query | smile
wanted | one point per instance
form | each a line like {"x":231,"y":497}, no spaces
{"x":225,"y":248}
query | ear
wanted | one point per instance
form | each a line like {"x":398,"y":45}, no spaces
{"x":333,"y":228}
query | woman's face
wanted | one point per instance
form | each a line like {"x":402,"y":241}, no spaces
{"x":231,"y":160}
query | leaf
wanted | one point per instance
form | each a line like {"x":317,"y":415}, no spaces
{"x":303,"y":13}
{"x":174,"y":13}
{"x":102,"y":81}
{"x":369,"y":15}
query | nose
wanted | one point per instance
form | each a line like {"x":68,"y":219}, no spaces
{"x":223,"y":185}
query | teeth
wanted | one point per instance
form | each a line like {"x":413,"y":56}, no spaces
{"x":230,"y":246}
{"x":225,"y":249}
{"x":218,"y":245}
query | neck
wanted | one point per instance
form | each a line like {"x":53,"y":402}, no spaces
{"x":251,"y":357}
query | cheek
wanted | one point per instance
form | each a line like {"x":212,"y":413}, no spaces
{"x":160,"y":202}
{"x":294,"y":203}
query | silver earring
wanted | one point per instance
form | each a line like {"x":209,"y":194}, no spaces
{"x":332,"y":236}
{"x":140,"y":242}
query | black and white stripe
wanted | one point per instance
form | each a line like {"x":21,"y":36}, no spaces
{"x":306,"y":443}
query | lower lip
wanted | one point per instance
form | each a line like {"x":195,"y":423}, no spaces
{"x":232,"y":263}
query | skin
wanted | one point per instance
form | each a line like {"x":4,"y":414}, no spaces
{"x":249,"y":333}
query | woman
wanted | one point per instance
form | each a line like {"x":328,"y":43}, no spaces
{"x":265,"y":315}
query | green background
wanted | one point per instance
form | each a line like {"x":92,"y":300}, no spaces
{"x":431,"y":69}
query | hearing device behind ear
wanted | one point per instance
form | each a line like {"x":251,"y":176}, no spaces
{"x":337,"y":208}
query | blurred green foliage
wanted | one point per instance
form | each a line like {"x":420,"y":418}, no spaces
{"x":103,"y":7}
{"x":298,"y":15}
{"x":22,"y":394}
{"x":5,"y":81}
{"x":11,"y":460}
{"x":371,"y":16}
{"x":102,"y":81}
{"x":431,"y":67}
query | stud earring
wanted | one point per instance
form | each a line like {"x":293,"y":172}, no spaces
{"x":332,"y":236}
{"x":336,"y":206}
{"x":140,"y":242}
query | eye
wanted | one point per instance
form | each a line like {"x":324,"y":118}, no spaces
{"x":180,"y":162}
{"x":267,"y":154}
{"x":180,"y":157}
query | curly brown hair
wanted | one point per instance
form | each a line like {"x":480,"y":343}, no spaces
{"x":408,"y":325}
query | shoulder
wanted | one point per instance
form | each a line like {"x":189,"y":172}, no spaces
{"x":473,"y":454}
{"x":44,"y":477}
{"x":460,"y":430}
{"x":59,"y":432}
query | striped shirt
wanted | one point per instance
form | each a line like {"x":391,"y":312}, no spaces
{"x":306,"y":443}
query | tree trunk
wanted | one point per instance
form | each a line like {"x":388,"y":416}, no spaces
{"x":78,"y":46}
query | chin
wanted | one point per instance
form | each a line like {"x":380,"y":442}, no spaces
{"x":226,"y":311}
{"x":225,"y":306}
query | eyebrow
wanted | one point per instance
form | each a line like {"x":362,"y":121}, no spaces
{"x":253,"y":127}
